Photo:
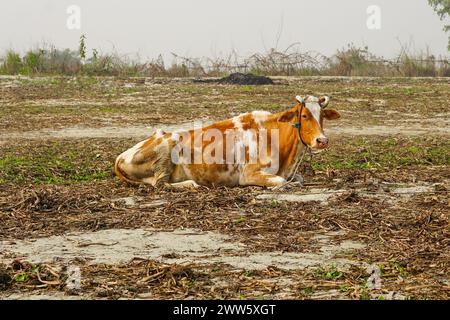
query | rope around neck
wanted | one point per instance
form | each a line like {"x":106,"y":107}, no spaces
{"x":297,"y":166}
{"x":299,"y":163}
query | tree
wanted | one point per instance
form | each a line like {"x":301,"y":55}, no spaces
{"x":442,"y":8}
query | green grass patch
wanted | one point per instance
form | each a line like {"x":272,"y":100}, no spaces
{"x":239,"y":220}
{"x":329,"y":273}
{"x":364,"y":153}
{"x":56,"y":163}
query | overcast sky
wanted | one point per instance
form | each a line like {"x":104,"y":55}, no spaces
{"x":212,"y":27}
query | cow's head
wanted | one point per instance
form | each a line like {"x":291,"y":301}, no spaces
{"x":313,"y":112}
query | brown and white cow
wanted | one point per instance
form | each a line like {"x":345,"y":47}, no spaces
{"x":226,"y":152}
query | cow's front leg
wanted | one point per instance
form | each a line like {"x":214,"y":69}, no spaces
{"x":260,"y":178}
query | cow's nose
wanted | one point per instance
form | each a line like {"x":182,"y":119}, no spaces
{"x":322,"y":142}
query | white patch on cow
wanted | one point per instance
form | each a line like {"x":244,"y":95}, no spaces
{"x":175,"y":136}
{"x":315,"y":109}
{"x":311,"y":99}
{"x":260,"y":117}
{"x":312,"y":104}
{"x":237,"y":122}
{"x":128,"y":155}
{"x":277,"y":180}
{"x":185,"y":184}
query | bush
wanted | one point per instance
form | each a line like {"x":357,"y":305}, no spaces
{"x":350,"y":61}
{"x":12,"y":63}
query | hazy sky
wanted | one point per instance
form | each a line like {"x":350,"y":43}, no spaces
{"x":212,"y":27}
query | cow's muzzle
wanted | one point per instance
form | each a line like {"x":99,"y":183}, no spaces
{"x":322,"y":142}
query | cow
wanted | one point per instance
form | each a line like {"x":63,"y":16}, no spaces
{"x":225,"y":153}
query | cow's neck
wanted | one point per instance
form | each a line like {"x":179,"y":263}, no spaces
{"x":291,"y":146}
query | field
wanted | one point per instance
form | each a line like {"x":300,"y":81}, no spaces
{"x":375,"y":203}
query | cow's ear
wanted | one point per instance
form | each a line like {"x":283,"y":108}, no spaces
{"x":330,"y":114}
{"x":287,"y":116}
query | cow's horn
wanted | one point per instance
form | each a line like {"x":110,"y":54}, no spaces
{"x":323,"y":101}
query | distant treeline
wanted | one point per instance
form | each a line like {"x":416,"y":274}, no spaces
{"x":350,"y":61}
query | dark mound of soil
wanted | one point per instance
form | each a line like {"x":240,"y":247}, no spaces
{"x":239,"y":78}
{"x":245,"y":79}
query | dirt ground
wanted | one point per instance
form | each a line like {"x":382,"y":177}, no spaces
{"x":370,"y":222}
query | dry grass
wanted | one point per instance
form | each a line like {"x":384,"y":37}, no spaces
{"x":292,"y":61}
{"x":50,"y":187}
{"x":406,"y":239}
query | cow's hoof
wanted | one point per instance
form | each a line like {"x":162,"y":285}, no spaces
{"x":299,"y":178}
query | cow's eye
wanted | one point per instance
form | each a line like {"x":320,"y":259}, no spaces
{"x":304,"y":116}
